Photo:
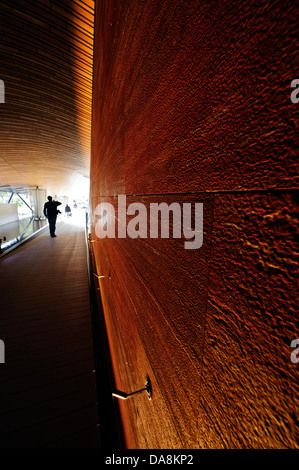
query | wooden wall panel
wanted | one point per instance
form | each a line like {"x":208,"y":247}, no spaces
{"x":248,"y":376}
{"x":210,"y":327}
{"x":192,"y":103}
{"x":156,"y":329}
{"x":207,"y":102}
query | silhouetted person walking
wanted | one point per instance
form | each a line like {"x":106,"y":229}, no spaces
{"x":50,"y":211}
{"x":68,"y":210}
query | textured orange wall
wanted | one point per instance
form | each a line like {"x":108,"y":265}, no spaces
{"x":192,"y":103}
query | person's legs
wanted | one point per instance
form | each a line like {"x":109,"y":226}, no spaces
{"x":52,"y":226}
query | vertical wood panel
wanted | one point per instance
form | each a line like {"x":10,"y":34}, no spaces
{"x":191,"y":100}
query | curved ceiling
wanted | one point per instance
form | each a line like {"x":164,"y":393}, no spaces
{"x":46,"y":62}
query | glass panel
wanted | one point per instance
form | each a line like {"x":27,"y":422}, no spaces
{"x":16,"y":231}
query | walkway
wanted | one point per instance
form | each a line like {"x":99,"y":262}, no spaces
{"x":47,"y":384}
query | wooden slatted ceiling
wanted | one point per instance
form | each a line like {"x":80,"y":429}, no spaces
{"x":46,"y":62}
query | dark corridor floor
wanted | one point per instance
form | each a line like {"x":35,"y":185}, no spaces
{"x":47,"y":384}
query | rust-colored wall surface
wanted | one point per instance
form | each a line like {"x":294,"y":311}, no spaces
{"x":191,"y":103}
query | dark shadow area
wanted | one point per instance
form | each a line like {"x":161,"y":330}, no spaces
{"x":109,"y":415}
